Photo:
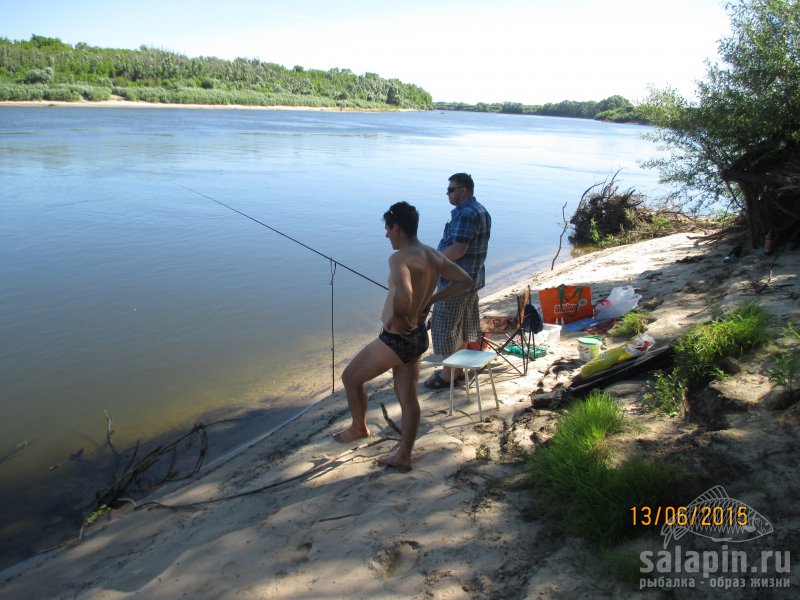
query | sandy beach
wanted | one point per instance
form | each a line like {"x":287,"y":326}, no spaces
{"x":118,"y":102}
{"x":296,"y":515}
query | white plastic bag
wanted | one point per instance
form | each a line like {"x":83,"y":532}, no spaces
{"x":620,"y":301}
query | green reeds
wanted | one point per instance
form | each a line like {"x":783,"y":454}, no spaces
{"x":53,"y":92}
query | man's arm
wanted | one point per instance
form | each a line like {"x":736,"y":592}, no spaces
{"x":400,"y":278}
{"x":458,"y":280}
{"x":464,"y":227}
{"x":455,"y":250}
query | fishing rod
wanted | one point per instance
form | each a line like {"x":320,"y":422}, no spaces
{"x":288,"y":237}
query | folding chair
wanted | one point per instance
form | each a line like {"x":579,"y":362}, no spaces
{"x":516,"y":340}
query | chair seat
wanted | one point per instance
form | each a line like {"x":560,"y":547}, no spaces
{"x":475,"y":361}
{"x":469,"y":359}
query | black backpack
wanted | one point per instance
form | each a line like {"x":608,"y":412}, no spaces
{"x":532,"y":320}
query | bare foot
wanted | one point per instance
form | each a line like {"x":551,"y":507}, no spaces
{"x":345,"y":436}
{"x":394,"y":462}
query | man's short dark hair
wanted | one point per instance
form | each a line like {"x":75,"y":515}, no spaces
{"x":464,"y":179}
{"x":404,"y":215}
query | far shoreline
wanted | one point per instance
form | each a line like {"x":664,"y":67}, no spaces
{"x":116,"y":102}
{"x":121,"y":103}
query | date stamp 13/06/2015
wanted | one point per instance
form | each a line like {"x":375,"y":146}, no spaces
{"x":683,"y":516}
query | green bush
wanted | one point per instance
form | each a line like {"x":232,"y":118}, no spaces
{"x":38,"y":76}
{"x":59,"y":92}
{"x":174,"y":94}
{"x":62,"y":93}
{"x":94,"y":93}
{"x":666,"y":393}
{"x":220,"y":97}
{"x":22,"y":93}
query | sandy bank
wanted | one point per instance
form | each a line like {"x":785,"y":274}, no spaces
{"x":121,"y":103}
{"x":312,"y":519}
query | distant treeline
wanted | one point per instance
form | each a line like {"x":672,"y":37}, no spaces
{"x":45,"y":68}
{"x":616,"y":109}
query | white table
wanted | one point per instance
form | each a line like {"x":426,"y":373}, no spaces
{"x":475,"y":361}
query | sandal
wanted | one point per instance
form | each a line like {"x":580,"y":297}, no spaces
{"x":436,"y":382}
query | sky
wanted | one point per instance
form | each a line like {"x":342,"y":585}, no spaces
{"x":528,"y":51}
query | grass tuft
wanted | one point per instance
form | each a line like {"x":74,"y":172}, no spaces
{"x":630,"y":325}
{"x":584,"y":494}
{"x":699,"y":349}
{"x":785,"y":372}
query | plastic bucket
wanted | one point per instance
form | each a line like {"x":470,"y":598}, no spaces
{"x":550,"y":335}
{"x":588,"y":348}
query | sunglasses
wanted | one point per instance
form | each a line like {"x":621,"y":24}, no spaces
{"x":450,"y":190}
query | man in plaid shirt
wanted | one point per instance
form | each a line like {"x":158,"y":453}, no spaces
{"x":455,"y":322}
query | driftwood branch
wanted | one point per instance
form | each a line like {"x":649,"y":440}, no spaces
{"x":109,"y":433}
{"x":391,"y":423}
{"x":331,"y":462}
{"x":134,"y":472}
{"x":561,"y":237}
{"x":13,"y":452}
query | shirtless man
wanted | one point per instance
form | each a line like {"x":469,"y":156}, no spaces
{"x":413,"y":272}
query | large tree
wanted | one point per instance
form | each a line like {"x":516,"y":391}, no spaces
{"x":746,"y":105}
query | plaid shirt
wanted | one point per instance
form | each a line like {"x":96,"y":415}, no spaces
{"x":469,"y":224}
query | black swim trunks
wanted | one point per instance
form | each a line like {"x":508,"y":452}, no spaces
{"x":408,"y":348}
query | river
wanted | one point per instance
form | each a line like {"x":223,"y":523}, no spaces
{"x":132,"y":305}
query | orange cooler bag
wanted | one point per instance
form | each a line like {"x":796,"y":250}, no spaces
{"x":566,"y":303}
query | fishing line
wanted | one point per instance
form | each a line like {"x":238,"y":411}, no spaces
{"x":333,"y":343}
{"x":288,"y":237}
{"x":334,"y":263}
